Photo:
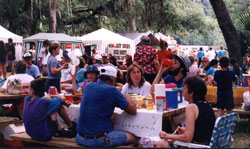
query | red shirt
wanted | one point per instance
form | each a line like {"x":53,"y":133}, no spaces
{"x":145,"y":57}
{"x":164,"y":54}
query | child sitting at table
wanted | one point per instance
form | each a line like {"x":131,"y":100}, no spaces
{"x":40,"y":114}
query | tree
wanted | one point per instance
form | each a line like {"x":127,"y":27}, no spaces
{"x":52,"y":15}
{"x":228,"y":30}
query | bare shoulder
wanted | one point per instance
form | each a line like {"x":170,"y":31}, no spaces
{"x":191,"y":107}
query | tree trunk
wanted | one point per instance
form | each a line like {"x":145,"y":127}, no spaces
{"x":52,"y":15}
{"x":228,"y":30}
{"x":132,"y":19}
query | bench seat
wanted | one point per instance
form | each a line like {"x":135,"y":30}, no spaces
{"x":58,"y":142}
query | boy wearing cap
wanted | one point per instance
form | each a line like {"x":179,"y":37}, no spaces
{"x":94,"y":125}
{"x":31,"y":69}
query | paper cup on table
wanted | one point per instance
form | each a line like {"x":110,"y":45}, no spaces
{"x":161,"y":103}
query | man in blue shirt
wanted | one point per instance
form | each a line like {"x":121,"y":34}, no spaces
{"x":222,"y":52}
{"x":200,"y":55}
{"x":176,"y":73}
{"x":94,"y":125}
{"x":31,"y":69}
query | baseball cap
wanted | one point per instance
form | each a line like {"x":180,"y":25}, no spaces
{"x":91,"y":68}
{"x":98,"y":57}
{"x":185,"y":60}
{"x":27,"y":55}
{"x":108,"y":70}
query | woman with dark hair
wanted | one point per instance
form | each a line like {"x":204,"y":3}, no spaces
{"x":136,"y":83}
{"x":3,"y":59}
{"x":200,"y":116}
{"x":54,"y":68}
{"x":236,"y":69}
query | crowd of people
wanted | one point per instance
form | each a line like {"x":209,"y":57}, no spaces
{"x":105,"y":84}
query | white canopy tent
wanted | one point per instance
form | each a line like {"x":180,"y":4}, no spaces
{"x":102,"y":38}
{"x":5,"y":35}
{"x":60,"y":37}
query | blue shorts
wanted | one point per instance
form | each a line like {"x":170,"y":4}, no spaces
{"x":11,"y":61}
{"x":225,"y":99}
{"x":116,"y":138}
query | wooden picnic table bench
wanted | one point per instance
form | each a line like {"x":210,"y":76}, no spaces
{"x":241,"y":112}
{"x":58,"y":142}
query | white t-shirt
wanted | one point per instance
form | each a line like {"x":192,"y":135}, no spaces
{"x":65,"y":73}
{"x":43,"y":55}
{"x":210,"y":55}
{"x":143,"y":91}
{"x":25,"y":78}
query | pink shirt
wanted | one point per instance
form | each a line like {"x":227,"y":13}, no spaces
{"x":193,"y":70}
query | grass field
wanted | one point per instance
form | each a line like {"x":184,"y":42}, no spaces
{"x":241,"y":137}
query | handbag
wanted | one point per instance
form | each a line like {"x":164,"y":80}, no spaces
{"x":14,"y":86}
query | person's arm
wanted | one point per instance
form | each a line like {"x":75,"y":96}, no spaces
{"x":158,"y":77}
{"x":55,"y":70}
{"x":186,"y":135}
{"x":131,"y":108}
{"x":156,"y":64}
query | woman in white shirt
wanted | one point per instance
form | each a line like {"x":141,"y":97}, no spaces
{"x":136,"y":83}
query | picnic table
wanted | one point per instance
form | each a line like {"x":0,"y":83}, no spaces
{"x":7,"y":98}
{"x":211,"y":96}
{"x":16,"y":100}
{"x":144,"y":123}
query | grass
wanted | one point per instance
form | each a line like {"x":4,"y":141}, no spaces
{"x":241,"y":137}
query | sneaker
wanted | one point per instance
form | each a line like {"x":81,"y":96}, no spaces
{"x":64,"y":134}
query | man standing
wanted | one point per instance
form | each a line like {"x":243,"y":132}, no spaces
{"x":31,"y":69}
{"x":94,"y":125}
{"x":11,"y":54}
{"x":200,"y":55}
{"x":210,"y":54}
{"x":222,"y":52}
{"x":147,"y":59}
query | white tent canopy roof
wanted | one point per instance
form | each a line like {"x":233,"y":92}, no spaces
{"x":62,"y":38}
{"x":104,"y":35}
{"x":5,"y":35}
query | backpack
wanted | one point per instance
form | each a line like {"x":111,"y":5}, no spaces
{"x":14,"y":86}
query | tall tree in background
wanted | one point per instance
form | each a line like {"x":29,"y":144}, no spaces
{"x":228,"y":30}
{"x":52,"y":15}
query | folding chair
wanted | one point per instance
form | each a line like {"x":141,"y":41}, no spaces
{"x":222,"y":133}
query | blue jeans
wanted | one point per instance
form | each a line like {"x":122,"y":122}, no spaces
{"x":116,"y":138}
